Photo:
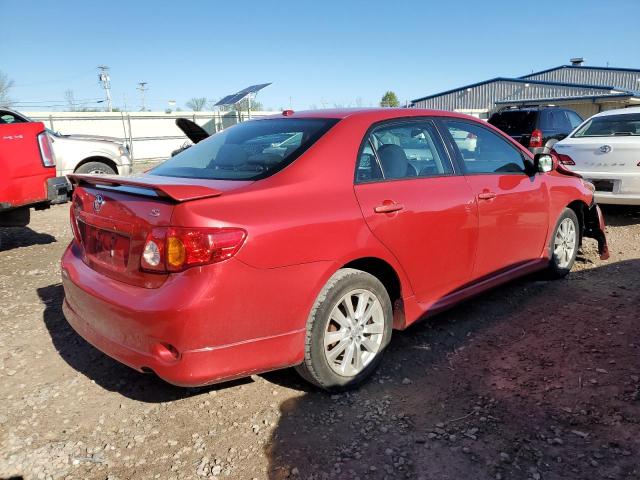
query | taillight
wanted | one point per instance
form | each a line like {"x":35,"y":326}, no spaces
{"x":172,"y":249}
{"x":73,"y":217}
{"x":536,"y":139}
{"x":563,"y":159}
{"x":46,"y":150}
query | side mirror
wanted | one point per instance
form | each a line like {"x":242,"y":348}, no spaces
{"x":543,"y":162}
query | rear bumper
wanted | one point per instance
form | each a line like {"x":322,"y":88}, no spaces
{"x":617,"y":199}
{"x":58,"y":190}
{"x":625,"y":191}
{"x":191,"y":368}
{"x":222,"y":321}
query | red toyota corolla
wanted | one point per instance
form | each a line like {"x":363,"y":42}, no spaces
{"x":303,"y":240}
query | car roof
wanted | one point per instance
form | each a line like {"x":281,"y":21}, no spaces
{"x":375,"y":114}
{"x":618,"y":111}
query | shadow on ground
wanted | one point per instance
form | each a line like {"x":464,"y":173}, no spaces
{"x":105,"y":371}
{"x":16,"y":237}
{"x":533,"y":380}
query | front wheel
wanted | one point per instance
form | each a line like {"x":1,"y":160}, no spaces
{"x":564,"y":244}
{"x":347,"y":330}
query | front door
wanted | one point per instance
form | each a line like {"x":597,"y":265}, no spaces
{"x":512,"y":202}
{"x":417,"y":206}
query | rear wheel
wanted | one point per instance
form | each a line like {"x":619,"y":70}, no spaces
{"x":564,"y":244}
{"x":96,"y":168}
{"x":347,"y":330}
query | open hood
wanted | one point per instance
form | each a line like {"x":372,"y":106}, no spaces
{"x":192,"y":130}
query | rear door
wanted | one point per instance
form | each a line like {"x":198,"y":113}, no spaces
{"x":417,"y":205}
{"x":512,"y":205}
{"x":23,"y":179}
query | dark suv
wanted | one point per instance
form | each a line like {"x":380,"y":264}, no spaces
{"x":537,"y":128}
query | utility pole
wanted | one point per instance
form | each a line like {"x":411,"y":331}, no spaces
{"x":142,"y":87}
{"x":103,"y":77}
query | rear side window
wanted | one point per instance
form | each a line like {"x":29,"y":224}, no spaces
{"x":248,"y":151}
{"x":557,"y":120}
{"x":402,"y":150}
{"x":574,"y":118}
{"x":514,"y":122}
{"x":611,"y":126}
{"x":489,"y":153}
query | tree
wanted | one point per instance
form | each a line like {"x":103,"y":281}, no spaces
{"x":5,"y":85}
{"x":197,"y":103}
{"x":70,"y":97}
{"x":389,"y":99}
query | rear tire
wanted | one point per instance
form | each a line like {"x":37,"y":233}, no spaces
{"x":564,"y":244}
{"x":96,"y":168}
{"x":347,"y":331}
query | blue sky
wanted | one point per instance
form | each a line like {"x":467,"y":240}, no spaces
{"x":315,"y":52}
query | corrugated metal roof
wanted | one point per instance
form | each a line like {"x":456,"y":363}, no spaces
{"x":484,"y":95}
{"x":620,"y":78}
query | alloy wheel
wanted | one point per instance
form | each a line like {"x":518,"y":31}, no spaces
{"x":354,"y":331}
{"x":564,"y":243}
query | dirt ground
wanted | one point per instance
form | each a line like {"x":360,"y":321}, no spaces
{"x":534,"y":380}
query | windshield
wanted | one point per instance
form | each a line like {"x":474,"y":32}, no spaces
{"x":247,"y":151}
{"x":514,"y":122}
{"x":610,"y":126}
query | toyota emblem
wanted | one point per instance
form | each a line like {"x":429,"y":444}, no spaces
{"x":98,"y":202}
{"x":605,"y":148}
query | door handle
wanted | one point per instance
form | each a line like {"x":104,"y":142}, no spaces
{"x":486,"y":196}
{"x":388,"y":207}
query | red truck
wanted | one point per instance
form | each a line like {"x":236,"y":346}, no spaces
{"x":28,"y":167}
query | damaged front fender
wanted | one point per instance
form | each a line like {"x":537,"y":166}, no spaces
{"x":594,"y":228}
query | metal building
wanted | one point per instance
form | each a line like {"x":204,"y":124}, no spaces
{"x":587,"y":90}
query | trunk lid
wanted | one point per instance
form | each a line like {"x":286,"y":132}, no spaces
{"x":616,"y":154}
{"x":113,"y":216}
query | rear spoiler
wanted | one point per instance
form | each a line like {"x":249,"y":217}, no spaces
{"x":178,"y":190}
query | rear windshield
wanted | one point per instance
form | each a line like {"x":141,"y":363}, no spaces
{"x":514,"y":122}
{"x":611,"y":126}
{"x":247,"y":151}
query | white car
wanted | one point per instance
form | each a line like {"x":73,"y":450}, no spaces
{"x":82,"y":153}
{"x":605,"y":150}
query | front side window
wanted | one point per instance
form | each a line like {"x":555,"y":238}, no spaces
{"x":610,"y":126}
{"x":402,"y":150}
{"x":490,"y":153}
{"x":248,"y":151}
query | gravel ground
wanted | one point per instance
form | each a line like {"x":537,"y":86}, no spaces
{"x":536,"y":380}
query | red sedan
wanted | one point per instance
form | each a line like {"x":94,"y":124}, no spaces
{"x":304,"y":240}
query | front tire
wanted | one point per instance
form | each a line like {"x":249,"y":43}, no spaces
{"x":347,"y":331}
{"x":565,"y":243}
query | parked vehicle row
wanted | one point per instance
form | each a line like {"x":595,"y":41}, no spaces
{"x":304,"y":240}
{"x":81,"y":153}
{"x":605,"y":150}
